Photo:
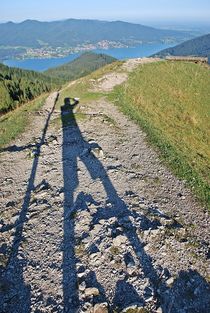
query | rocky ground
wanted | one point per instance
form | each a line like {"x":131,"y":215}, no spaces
{"x":92,"y":221}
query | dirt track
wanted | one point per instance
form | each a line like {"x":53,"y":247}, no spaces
{"x":90,"y":215}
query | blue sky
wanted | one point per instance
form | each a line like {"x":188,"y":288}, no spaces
{"x":131,"y":10}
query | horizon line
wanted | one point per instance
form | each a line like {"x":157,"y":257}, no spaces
{"x":124,"y":20}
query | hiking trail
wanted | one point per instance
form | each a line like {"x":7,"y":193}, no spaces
{"x":92,"y":220}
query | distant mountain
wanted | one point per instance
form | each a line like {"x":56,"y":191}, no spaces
{"x":18,"y":86}
{"x":83,"y":65}
{"x":73,"y":32}
{"x":199,"y":46}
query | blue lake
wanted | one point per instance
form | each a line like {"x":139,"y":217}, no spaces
{"x":119,"y":53}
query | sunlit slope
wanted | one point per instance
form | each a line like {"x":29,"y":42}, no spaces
{"x":81,"y":66}
{"x":199,"y":46}
{"x":171,"y":101}
{"x":18,"y":86}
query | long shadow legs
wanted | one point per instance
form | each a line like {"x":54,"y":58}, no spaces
{"x":16,"y":295}
{"x":72,"y":134}
{"x":73,"y":147}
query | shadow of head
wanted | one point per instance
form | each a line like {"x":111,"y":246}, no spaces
{"x":69,"y":105}
{"x":71,"y":101}
{"x":67,"y":101}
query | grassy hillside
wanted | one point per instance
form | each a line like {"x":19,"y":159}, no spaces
{"x":19,"y":86}
{"x":15,"y":122}
{"x":171,"y":102}
{"x":82,"y":66}
{"x":199,"y":46}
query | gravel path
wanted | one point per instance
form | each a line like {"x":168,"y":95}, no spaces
{"x":92,"y":221}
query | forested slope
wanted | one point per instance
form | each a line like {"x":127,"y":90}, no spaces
{"x":18,"y":86}
{"x":199,"y":46}
{"x":82,"y":66}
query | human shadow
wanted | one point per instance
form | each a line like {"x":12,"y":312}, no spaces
{"x":70,"y":180}
{"x":15,"y":294}
{"x":189,"y":293}
{"x":15,"y":148}
{"x":125,"y":296}
{"x":34,"y":146}
{"x":76,"y":147}
{"x":79,"y":148}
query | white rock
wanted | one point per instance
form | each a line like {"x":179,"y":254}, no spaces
{"x":91,"y":292}
{"x":146,"y":248}
{"x":119,"y":240}
{"x":147,"y":233}
{"x":101,"y":308}
{"x":170,"y":281}
{"x":13,"y":220}
{"x":96,"y":255}
{"x":154,"y":232}
{"x":134,"y":308}
{"x":149,"y":299}
{"x":97,"y":152}
{"x":81,"y":275}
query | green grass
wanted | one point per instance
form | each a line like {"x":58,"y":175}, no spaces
{"x":15,"y":122}
{"x":78,"y":90}
{"x":170,"y":101}
{"x":82,"y":88}
{"x":80,"y":67}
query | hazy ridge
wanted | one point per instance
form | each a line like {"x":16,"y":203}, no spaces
{"x":199,"y":46}
{"x":31,"y":33}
